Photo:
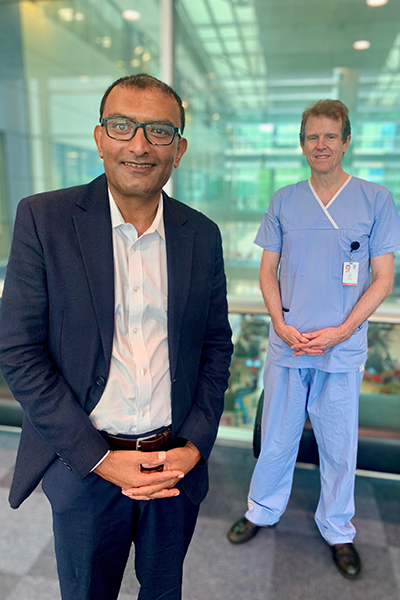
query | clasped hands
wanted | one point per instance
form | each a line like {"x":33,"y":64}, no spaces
{"x":123,"y":468}
{"x":313,"y":343}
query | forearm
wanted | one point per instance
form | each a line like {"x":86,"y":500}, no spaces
{"x":271,"y":294}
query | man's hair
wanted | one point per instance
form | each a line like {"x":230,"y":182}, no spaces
{"x":143,"y":81}
{"x":333,"y":109}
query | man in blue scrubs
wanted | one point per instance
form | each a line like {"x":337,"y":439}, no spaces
{"x":327,"y":235}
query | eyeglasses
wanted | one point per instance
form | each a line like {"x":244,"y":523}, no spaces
{"x":157,"y":134}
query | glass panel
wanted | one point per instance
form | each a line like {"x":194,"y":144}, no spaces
{"x":70,"y":56}
{"x":380,"y":389}
{"x":250,"y":337}
{"x":196,"y":11}
{"x":57,"y":60}
{"x":221,"y":11}
{"x":273,"y":86}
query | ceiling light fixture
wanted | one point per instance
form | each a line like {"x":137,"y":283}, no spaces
{"x":376,"y":2}
{"x":362,"y":45}
{"x":131,"y":15}
{"x":66,"y":14}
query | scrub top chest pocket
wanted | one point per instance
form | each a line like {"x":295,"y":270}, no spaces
{"x":315,"y":254}
{"x":354,"y":257}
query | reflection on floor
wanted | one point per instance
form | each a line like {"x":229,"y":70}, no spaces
{"x":288,"y":562}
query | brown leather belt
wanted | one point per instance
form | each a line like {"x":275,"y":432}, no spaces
{"x":144,"y":444}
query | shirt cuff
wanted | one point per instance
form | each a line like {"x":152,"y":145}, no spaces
{"x":100,"y":461}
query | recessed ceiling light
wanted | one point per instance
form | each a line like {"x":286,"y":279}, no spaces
{"x":131,"y":15}
{"x":376,"y":2}
{"x":138,"y":50}
{"x":106,"y":42}
{"x":266,"y":127}
{"x":362,"y":45}
{"x":135,"y":62}
{"x":146,"y":57}
{"x":66,"y":14}
{"x":79,"y":16}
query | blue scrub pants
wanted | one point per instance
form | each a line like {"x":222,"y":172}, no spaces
{"x":331,"y":401}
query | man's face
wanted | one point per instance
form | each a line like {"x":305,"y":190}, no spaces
{"x":323,"y":145}
{"x":137,"y":169}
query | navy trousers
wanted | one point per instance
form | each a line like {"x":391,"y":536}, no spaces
{"x":94,"y":527}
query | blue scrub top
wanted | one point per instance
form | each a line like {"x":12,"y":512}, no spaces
{"x":314,"y":241}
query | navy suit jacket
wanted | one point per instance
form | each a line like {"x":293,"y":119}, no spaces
{"x":57,"y":325}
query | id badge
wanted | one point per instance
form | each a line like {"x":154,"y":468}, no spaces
{"x":350,"y":273}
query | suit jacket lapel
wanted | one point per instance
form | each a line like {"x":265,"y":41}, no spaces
{"x":179,"y":244}
{"x":93,"y":229}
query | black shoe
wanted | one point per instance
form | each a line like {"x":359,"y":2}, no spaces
{"x":347,"y":560}
{"x":242,"y":531}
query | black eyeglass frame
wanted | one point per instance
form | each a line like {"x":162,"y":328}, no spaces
{"x":143,"y":126}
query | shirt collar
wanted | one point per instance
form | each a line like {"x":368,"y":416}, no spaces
{"x":117,"y":220}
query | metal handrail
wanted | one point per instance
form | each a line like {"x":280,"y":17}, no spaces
{"x":258,"y":308}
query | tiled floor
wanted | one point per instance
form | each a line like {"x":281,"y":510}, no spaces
{"x":287,"y":562}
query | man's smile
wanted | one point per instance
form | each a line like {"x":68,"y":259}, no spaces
{"x":135,"y":165}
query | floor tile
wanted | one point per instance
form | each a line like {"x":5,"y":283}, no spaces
{"x":305,"y":570}
{"x":395,"y":558}
{"x":130,"y":585}
{"x":298,"y":521}
{"x":45,"y":564}
{"x":215,"y":568}
{"x":35,"y":588}
{"x":8,"y":582}
{"x":387,"y":494}
{"x":24,"y":532}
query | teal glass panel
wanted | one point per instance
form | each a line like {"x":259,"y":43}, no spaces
{"x":280,"y":57}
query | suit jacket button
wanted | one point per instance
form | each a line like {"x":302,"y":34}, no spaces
{"x":100,"y":381}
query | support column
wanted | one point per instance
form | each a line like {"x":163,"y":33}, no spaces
{"x":167,"y":57}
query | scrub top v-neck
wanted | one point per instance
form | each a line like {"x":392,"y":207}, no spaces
{"x":314,"y":242}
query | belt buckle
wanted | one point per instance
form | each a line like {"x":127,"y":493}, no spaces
{"x":143,"y":439}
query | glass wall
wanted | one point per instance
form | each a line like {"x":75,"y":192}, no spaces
{"x":245,"y":69}
{"x":380,"y":388}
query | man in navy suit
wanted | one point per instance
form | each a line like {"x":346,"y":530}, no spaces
{"x":114,"y":338}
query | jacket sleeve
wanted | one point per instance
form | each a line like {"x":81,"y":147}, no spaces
{"x":36,"y":383}
{"x":201,"y":425}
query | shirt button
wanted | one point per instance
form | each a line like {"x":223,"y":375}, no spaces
{"x":135,"y":330}
{"x":135,"y":288}
{"x":143,"y":413}
{"x":100,"y":381}
{"x":144,"y":371}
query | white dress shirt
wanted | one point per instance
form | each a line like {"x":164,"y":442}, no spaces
{"x":137,"y":396}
